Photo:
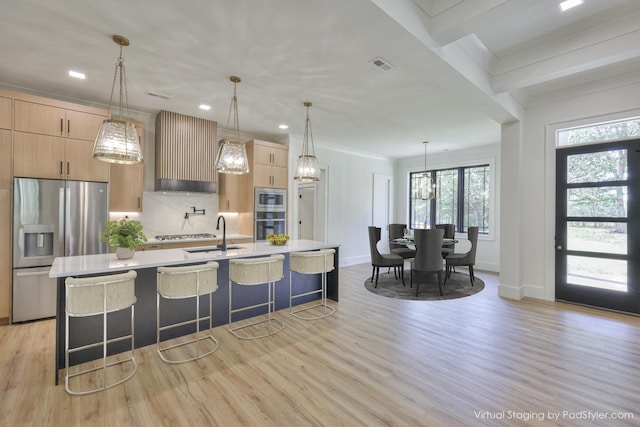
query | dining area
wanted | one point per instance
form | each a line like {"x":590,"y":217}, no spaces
{"x":431,"y":253}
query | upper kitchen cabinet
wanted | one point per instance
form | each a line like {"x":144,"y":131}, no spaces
{"x":54,"y":139}
{"x":270,"y":163}
{"x":5,"y":158}
{"x":5,"y":113}
{"x":185,"y":153}
{"x":125,"y":186}
{"x":232,"y":193}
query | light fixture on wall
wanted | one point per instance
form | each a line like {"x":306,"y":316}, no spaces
{"x":117,"y":140}
{"x":427,"y":184}
{"x":232,"y":155}
{"x":308,"y":169}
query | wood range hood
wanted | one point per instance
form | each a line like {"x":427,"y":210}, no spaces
{"x":185,"y":153}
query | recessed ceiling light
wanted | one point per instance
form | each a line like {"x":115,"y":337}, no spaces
{"x":205,"y":107}
{"x":568,"y":4}
{"x":283,"y":126}
{"x":76,"y":75}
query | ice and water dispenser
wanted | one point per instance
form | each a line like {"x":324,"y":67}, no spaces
{"x":38,"y":240}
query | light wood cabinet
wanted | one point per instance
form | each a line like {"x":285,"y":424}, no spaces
{"x":270,"y":176}
{"x":267,"y":153}
{"x":270,"y":163}
{"x":5,"y":113}
{"x":5,"y":253}
{"x":42,"y":156}
{"x":125,"y":185}
{"x":232,"y":193}
{"x":56,"y":141}
{"x":51,"y":120}
{"x":5,"y":158}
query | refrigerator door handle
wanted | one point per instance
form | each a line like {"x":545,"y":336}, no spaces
{"x":61,"y":219}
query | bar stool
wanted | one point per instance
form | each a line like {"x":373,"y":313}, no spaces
{"x":311,"y":262}
{"x":256,"y":271}
{"x":190,"y":281}
{"x":93,"y":296}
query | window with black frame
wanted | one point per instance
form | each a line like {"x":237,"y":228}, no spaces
{"x":462,"y":197}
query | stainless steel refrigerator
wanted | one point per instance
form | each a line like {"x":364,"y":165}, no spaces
{"x":51,"y":218}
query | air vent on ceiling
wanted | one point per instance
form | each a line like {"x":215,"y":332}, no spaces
{"x":157,"y":95}
{"x":382,"y":64}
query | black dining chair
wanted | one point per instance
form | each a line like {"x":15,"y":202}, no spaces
{"x":428,"y":259}
{"x":383,"y":260}
{"x":396,"y":231}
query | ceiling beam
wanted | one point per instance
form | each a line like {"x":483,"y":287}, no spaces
{"x":587,"y":50}
{"x":458,"y":71}
{"x":469,"y":16}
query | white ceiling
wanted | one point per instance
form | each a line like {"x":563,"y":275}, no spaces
{"x":460,"y":67}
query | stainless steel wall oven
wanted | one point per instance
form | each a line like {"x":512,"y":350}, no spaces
{"x":270,"y":212}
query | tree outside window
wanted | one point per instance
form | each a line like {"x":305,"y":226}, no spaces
{"x":462,"y":198}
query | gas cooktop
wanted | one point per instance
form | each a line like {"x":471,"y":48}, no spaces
{"x":185,"y":236}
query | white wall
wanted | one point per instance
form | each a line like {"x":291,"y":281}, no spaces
{"x":350,"y":198}
{"x":488,"y":252}
{"x":532,"y":165}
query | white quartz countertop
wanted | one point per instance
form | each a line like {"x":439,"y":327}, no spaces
{"x":108,"y":263}
{"x":153,"y":240}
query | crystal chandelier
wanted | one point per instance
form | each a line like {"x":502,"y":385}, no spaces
{"x":307,"y":170}
{"x":427,"y":185}
{"x":232,"y":155}
{"x":117,"y":140}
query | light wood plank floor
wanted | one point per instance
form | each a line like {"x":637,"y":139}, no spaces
{"x":479,"y":360}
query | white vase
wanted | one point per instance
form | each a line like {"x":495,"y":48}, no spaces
{"x":124,"y":253}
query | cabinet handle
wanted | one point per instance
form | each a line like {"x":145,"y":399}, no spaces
{"x":61,"y":126}
{"x":228,"y":205}
{"x":60,"y":167}
{"x":139,"y":202}
{"x":68,"y":127}
{"x":68,"y":169}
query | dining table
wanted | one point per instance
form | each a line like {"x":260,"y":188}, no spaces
{"x":447,"y":244}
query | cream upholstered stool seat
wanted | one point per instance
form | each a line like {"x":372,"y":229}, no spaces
{"x":250,"y":272}
{"x":311,"y":262}
{"x":190,"y":281}
{"x":93,"y":296}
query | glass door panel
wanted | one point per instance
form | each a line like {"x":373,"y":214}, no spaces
{"x":596,"y":263}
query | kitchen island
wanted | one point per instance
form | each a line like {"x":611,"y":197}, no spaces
{"x":86,"y":330}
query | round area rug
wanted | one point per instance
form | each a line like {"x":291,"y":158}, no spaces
{"x":457,"y":286}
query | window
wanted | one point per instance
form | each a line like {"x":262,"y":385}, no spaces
{"x":462,"y":198}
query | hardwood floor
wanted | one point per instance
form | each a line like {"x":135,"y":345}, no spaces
{"x":480,"y":360}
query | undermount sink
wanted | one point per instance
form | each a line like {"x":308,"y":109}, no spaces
{"x":210,"y":249}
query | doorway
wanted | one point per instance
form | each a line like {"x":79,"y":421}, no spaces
{"x":597,"y":210}
{"x":311,"y":211}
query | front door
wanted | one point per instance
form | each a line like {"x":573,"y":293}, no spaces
{"x":598,"y":225}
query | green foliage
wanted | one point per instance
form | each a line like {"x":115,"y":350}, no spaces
{"x":124,"y":233}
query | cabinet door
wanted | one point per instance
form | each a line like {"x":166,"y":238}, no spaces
{"x":232,"y":194}
{"x":81,"y":125}
{"x":39,"y":118}
{"x":269,"y":176}
{"x":5,"y":113}
{"x":125,"y":184}
{"x":38,"y":156}
{"x":5,"y":158}
{"x":5,"y":252}
{"x":268,"y":155}
{"x":80,"y":164}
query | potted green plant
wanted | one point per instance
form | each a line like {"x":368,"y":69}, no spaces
{"x":124,"y":235}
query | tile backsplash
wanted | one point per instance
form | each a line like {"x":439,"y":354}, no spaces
{"x":164,"y":213}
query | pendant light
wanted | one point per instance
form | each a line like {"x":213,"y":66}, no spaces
{"x":427,"y":185}
{"x":232,"y":155}
{"x":117,"y":140}
{"x":307,"y":170}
